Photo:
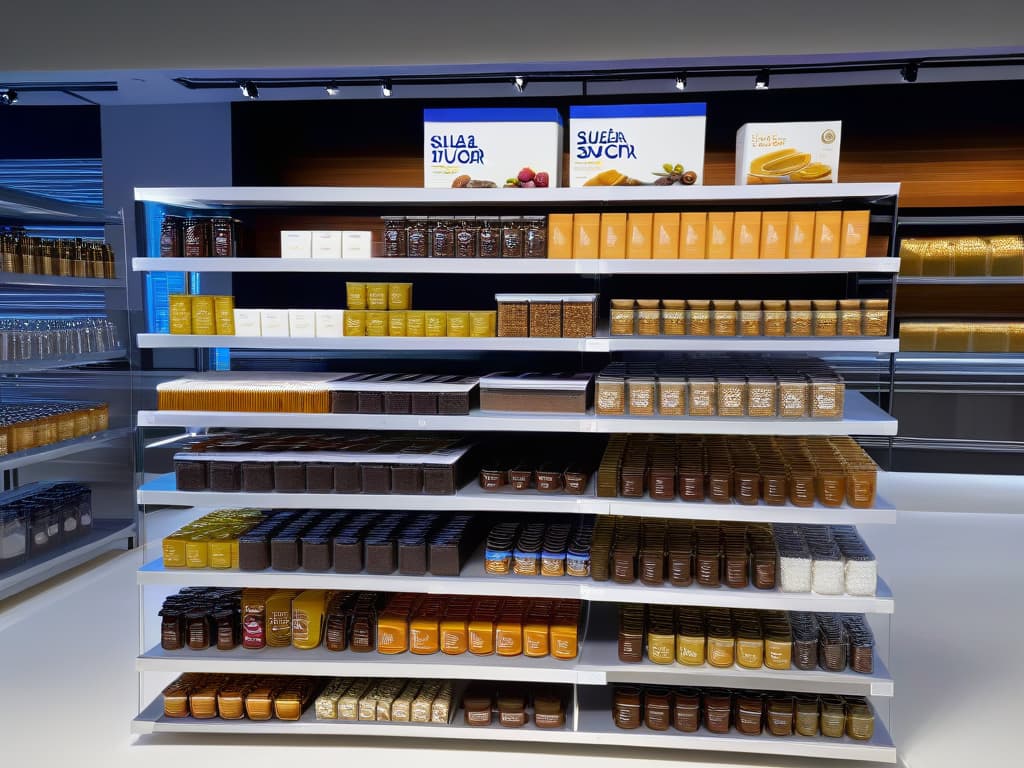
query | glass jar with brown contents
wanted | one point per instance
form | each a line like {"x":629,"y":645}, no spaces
{"x":671,"y":395}
{"x":702,"y":399}
{"x":876,"y":317}
{"x":545,"y":316}
{"x":649,"y":317}
{"x":800,"y":317}
{"x":849,"y":317}
{"x":579,"y":315}
{"x":698,"y":317}
{"x":511,"y":237}
{"x":610,"y":396}
{"x":724,"y":317}
{"x":513,"y":315}
{"x":417,"y":237}
{"x":827,"y":396}
{"x":732,"y":396}
{"x":466,"y":234}
{"x":394,"y":237}
{"x":826,"y":318}
{"x":750,"y":318}
{"x":623,"y":317}
{"x":673,"y":317}
{"x":535,"y":237}
{"x":641,"y":391}
{"x":762,"y":397}
{"x":442,"y":238}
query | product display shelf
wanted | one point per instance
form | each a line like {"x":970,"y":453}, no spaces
{"x":58,"y":281}
{"x":473,"y":580}
{"x":960,"y":280}
{"x":471,"y":498}
{"x":524,"y":266}
{"x":89,"y":358}
{"x":867,"y":344}
{"x":26,"y":208}
{"x":860,"y":417}
{"x":597,"y":664}
{"x":595,"y":727}
{"x":106,"y":534}
{"x":61,"y":449}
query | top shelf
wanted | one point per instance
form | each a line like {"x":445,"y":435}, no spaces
{"x":286,"y":197}
{"x":25,"y":208}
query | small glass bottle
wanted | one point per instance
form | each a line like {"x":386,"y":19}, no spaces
{"x":489,"y":246}
{"x":417,"y":244}
{"x":511,"y":237}
{"x":466,"y":238}
{"x":394,"y":237}
{"x":442,"y":238}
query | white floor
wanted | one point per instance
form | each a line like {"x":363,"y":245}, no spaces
{"x":68,"y":688}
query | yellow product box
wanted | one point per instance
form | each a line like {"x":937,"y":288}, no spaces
{"x":638,"y":244}
{"x":783,"y":153}
{"x":560,"y":236}
{"x":396,"y":323}
{"x":355,"y":322}
{"x":800,"y":237}
{"x":481,"y":324}
{"x":377,"y":296}
{"x":399,"y":296}
{"x":181,"y":313}
{"x":854,"y":242}
{"x":355,"y":295}
{"x":693,"y":236}
{"x":773,"y":234}
{"x":586,"y":241}
{"x":376,"y":322}
{"x":613,"y":235}
{"x":665,"y":244}
{"x":415,"y":323}
{"x":746,"y":235}
{"x":435,"y":323}
{"x":828,"y":227}
{"x":458,"y":324}
{"x":203,"y":317}
{"x":720,"y":235}
{"x":224,"y":315}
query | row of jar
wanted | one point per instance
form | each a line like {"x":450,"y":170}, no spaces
{"x":753,"y":317}
{"x":466,"y":237}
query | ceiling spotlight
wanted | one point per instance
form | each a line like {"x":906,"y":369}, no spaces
{"x":681,"y":83}
{"x":8,"y":97}
{"x":332,"y":89}
{"x":249,"y":89}
{"x":385,"y":88}
{"x":761,"y":81}
{"x":909,"y":72}
{"x":520,"y":83}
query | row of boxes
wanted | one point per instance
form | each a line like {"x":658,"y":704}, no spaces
{"x":326,"y":244}
{"x":304,"y":323}
{"x":709,"y":235}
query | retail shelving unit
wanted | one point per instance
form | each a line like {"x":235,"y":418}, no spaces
{"x":18,"y":209}
{"x":597,"y":666}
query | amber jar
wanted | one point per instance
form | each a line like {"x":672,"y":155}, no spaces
{"x":442,"y":238}
{"x":849,"y":317}
{"x":657,"y":709}
{"x":623,"y":317}
{"x":466,"y":238}
{"x":826,"y":318}
{"x":800,"y":318}
{"x":780,"y":716}
{"x":876,"y":317}
{"x":724,"y":317}
{"x":775,"y":317}
{"x":649,"y":317}
{"x":626,"y":707}
{"x":717,"y":712}
{"x":698,"y":317}
{"x":394,"y":237}
{"x":417,"y":237}
{"x":807,"y":715}
{"x":749,"y":714}
{"x":750,"y":318}
{"x":673,"y":317}
{"x":686,"y":710}
{"x":833,"y":717}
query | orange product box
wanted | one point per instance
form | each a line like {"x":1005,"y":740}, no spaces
{"x":586,"y":239}
{"x":774,"y":225}
{"x":665,"y":231}
{"x":800,"y":238}
{"x":613,"y":235}
{"x":828,"y":229}
{"x":746,"y":235}
{"x":854,"y":242}
{"x":693,"y":235}
{"x":560,"y":236}
{"x":720,"y":235}
{"x":639,"y":227}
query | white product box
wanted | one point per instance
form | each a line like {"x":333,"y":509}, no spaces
{"x":296,"y":244}
{"x":490,"y":145}
{"x":247,"y":322}
{"x":782,"y":153}
{"x":302,"y":323}
{"x":330,"y":323}
{"x":356,"y":244}
{"x":629,"y":144}
{"x":326,"y":245}
{"x":274,"y":322}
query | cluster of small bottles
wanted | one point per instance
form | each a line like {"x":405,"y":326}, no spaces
{"x":67,"y":257}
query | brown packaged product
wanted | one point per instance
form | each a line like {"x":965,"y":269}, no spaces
{"x":545,"y":317}
{"x":622,"y":317}
{"x":289,"y":477}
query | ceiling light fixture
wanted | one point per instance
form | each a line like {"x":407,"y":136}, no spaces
{"x":520,"y":83}
{"x":385,"y":88}
{"x":681,"y":83}
{"x":909,"y":72}
{"x":8,"y":97}
{"x":249,"y":89}
{"x":762,"y":80}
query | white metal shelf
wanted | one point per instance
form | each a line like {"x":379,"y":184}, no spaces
{"x":860,"y":417}
{"x":106,"y":534}
{"x":524,"y":266}
{"x":90,"y":358}
{"x":28,"y":208}
{"x":873,"y":344}
{"x":61,"y":449}
{"x":595,"y":728}
{"x":286,"y":197}
{"x":161,"y":491}
{"x":59,"y":281}
{"x":475,"y":581}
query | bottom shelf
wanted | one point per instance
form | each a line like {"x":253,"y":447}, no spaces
{"x":594,"y":727}
{"x":109,"y":533}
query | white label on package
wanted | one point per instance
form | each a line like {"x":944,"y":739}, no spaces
{"x":631,"y":144}
{"x":492,"y":147}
